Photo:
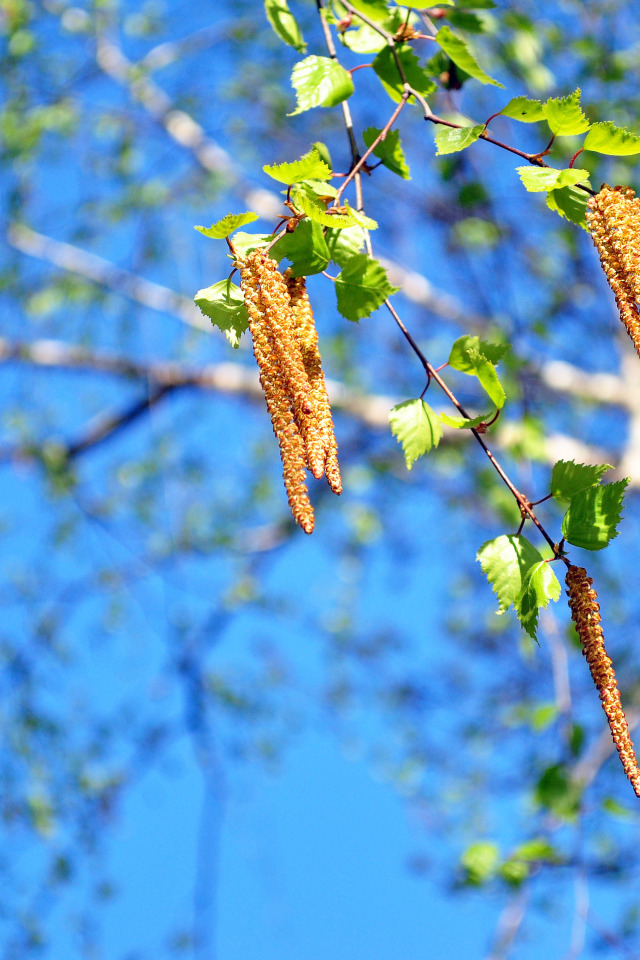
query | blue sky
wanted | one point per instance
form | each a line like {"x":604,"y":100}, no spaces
{"x":302,"y":741}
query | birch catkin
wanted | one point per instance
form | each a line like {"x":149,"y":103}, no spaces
{"x":613,"y":219}
{"x":285,"y":345}
{"x":585,"y":612}
{"x":322,"y":449}
{"x":261,"y":307}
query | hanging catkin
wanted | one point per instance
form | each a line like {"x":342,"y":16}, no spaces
{"x":585,"y":611}
{"x":613,"y":219}
{"x":322,"y":449}
{"x":266,"y":315}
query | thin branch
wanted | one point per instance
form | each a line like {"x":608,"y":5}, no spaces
{"x":365,"y":156}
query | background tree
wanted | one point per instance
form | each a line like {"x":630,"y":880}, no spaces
{"x":169,"y":636}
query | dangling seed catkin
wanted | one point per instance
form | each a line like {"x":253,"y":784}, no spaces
{"x":585,"y":612}
{"x":273,"y":383}
{"x":322,"y":449}
{"x":613,"y":219}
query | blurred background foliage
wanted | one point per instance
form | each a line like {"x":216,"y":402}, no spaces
{"x":157,"y":601}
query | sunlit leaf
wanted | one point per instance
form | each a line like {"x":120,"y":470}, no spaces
{"x":451,"y":139}
{"x":615,"y":141}
{"x":525,"y":110}
{"x":564,"y":115}
{"x":319,"y":82}
{"x":505,"y":562}
{"x":362,"y":287}
{"x":570,"y":203}
{"x":568,"y":477}
{"x":591,"y":522}
{"x":416,"y":427}
{"x":224,"y":304}
{"x":223,"y":228}
{"x":540,"y":179}
{"x":309,"y":167}
{"x":284,"y":24}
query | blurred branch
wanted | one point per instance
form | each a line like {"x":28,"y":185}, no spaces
{"x":166,"y":53}
{"x":104,"y":426}
{"x":181,"y":127}
{"x":587,"y":768}
{"x":509,"y":924}
{"x":234,"y":378}
{"x":107,"y":274}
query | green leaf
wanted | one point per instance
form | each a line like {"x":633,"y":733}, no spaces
{"x":344,"y":244}
{"x":615,"y":141}
{"x":362,"y":287}
{"x":539,"y":179}
{"x":323,"y":151}
{"x":464,"y":348}
{"x":565,"y":116}
{"x":540,"y":586}
{"x":309,"y":167}
{"x":468,"y":355}
{"x":366,"y":222}
{"x":222,"y":228}
{"x":458,"y":50}
{"x":224,"y":304}
{"x":525,"y":110}
{"x":538,"y":850}
{"x":466,"y":21}
{"x":463,"y":422}
{"x":306,"y":248}
{"x":245,"y":243}
{"x":387,"y":72}
{"x":480,"y":862}
{"x":514,"y":872}
{"x":388,"y":150}
{"x":377,"y":10}
{"x":284,"y":23}
{"x":319,"y":82}
{"x":506,"y":562}
{"x":557,"y":792}
{"x":615,"y":808}
{"x":592,"y":518}
{"x":416,"y":427}
{"x":570,"y":203}
{"x":364,"y":39}
{"x":306,"y":199}
{"x":568,"y":477}
{"x":473,"y":4}
{"x":450,"y":139}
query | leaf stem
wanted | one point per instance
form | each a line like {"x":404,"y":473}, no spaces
{"x":363,"y":159}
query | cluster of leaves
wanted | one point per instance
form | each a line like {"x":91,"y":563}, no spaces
{"x":481,"y":862}
{"x":322,"y":235}
{"x":418,"y":428}
{"x":322,"y":82}
{"x":323,"y":228}
{"x":519,"y":574}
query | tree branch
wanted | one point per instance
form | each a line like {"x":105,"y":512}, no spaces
{"x":230,"y":378}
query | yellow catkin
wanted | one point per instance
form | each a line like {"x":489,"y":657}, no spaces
{"x":274,"y":384}
{"x":585,"y":612}
{"x":277,"y":304}
{"x":613,"y":219}
{"x":322,"y":448}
